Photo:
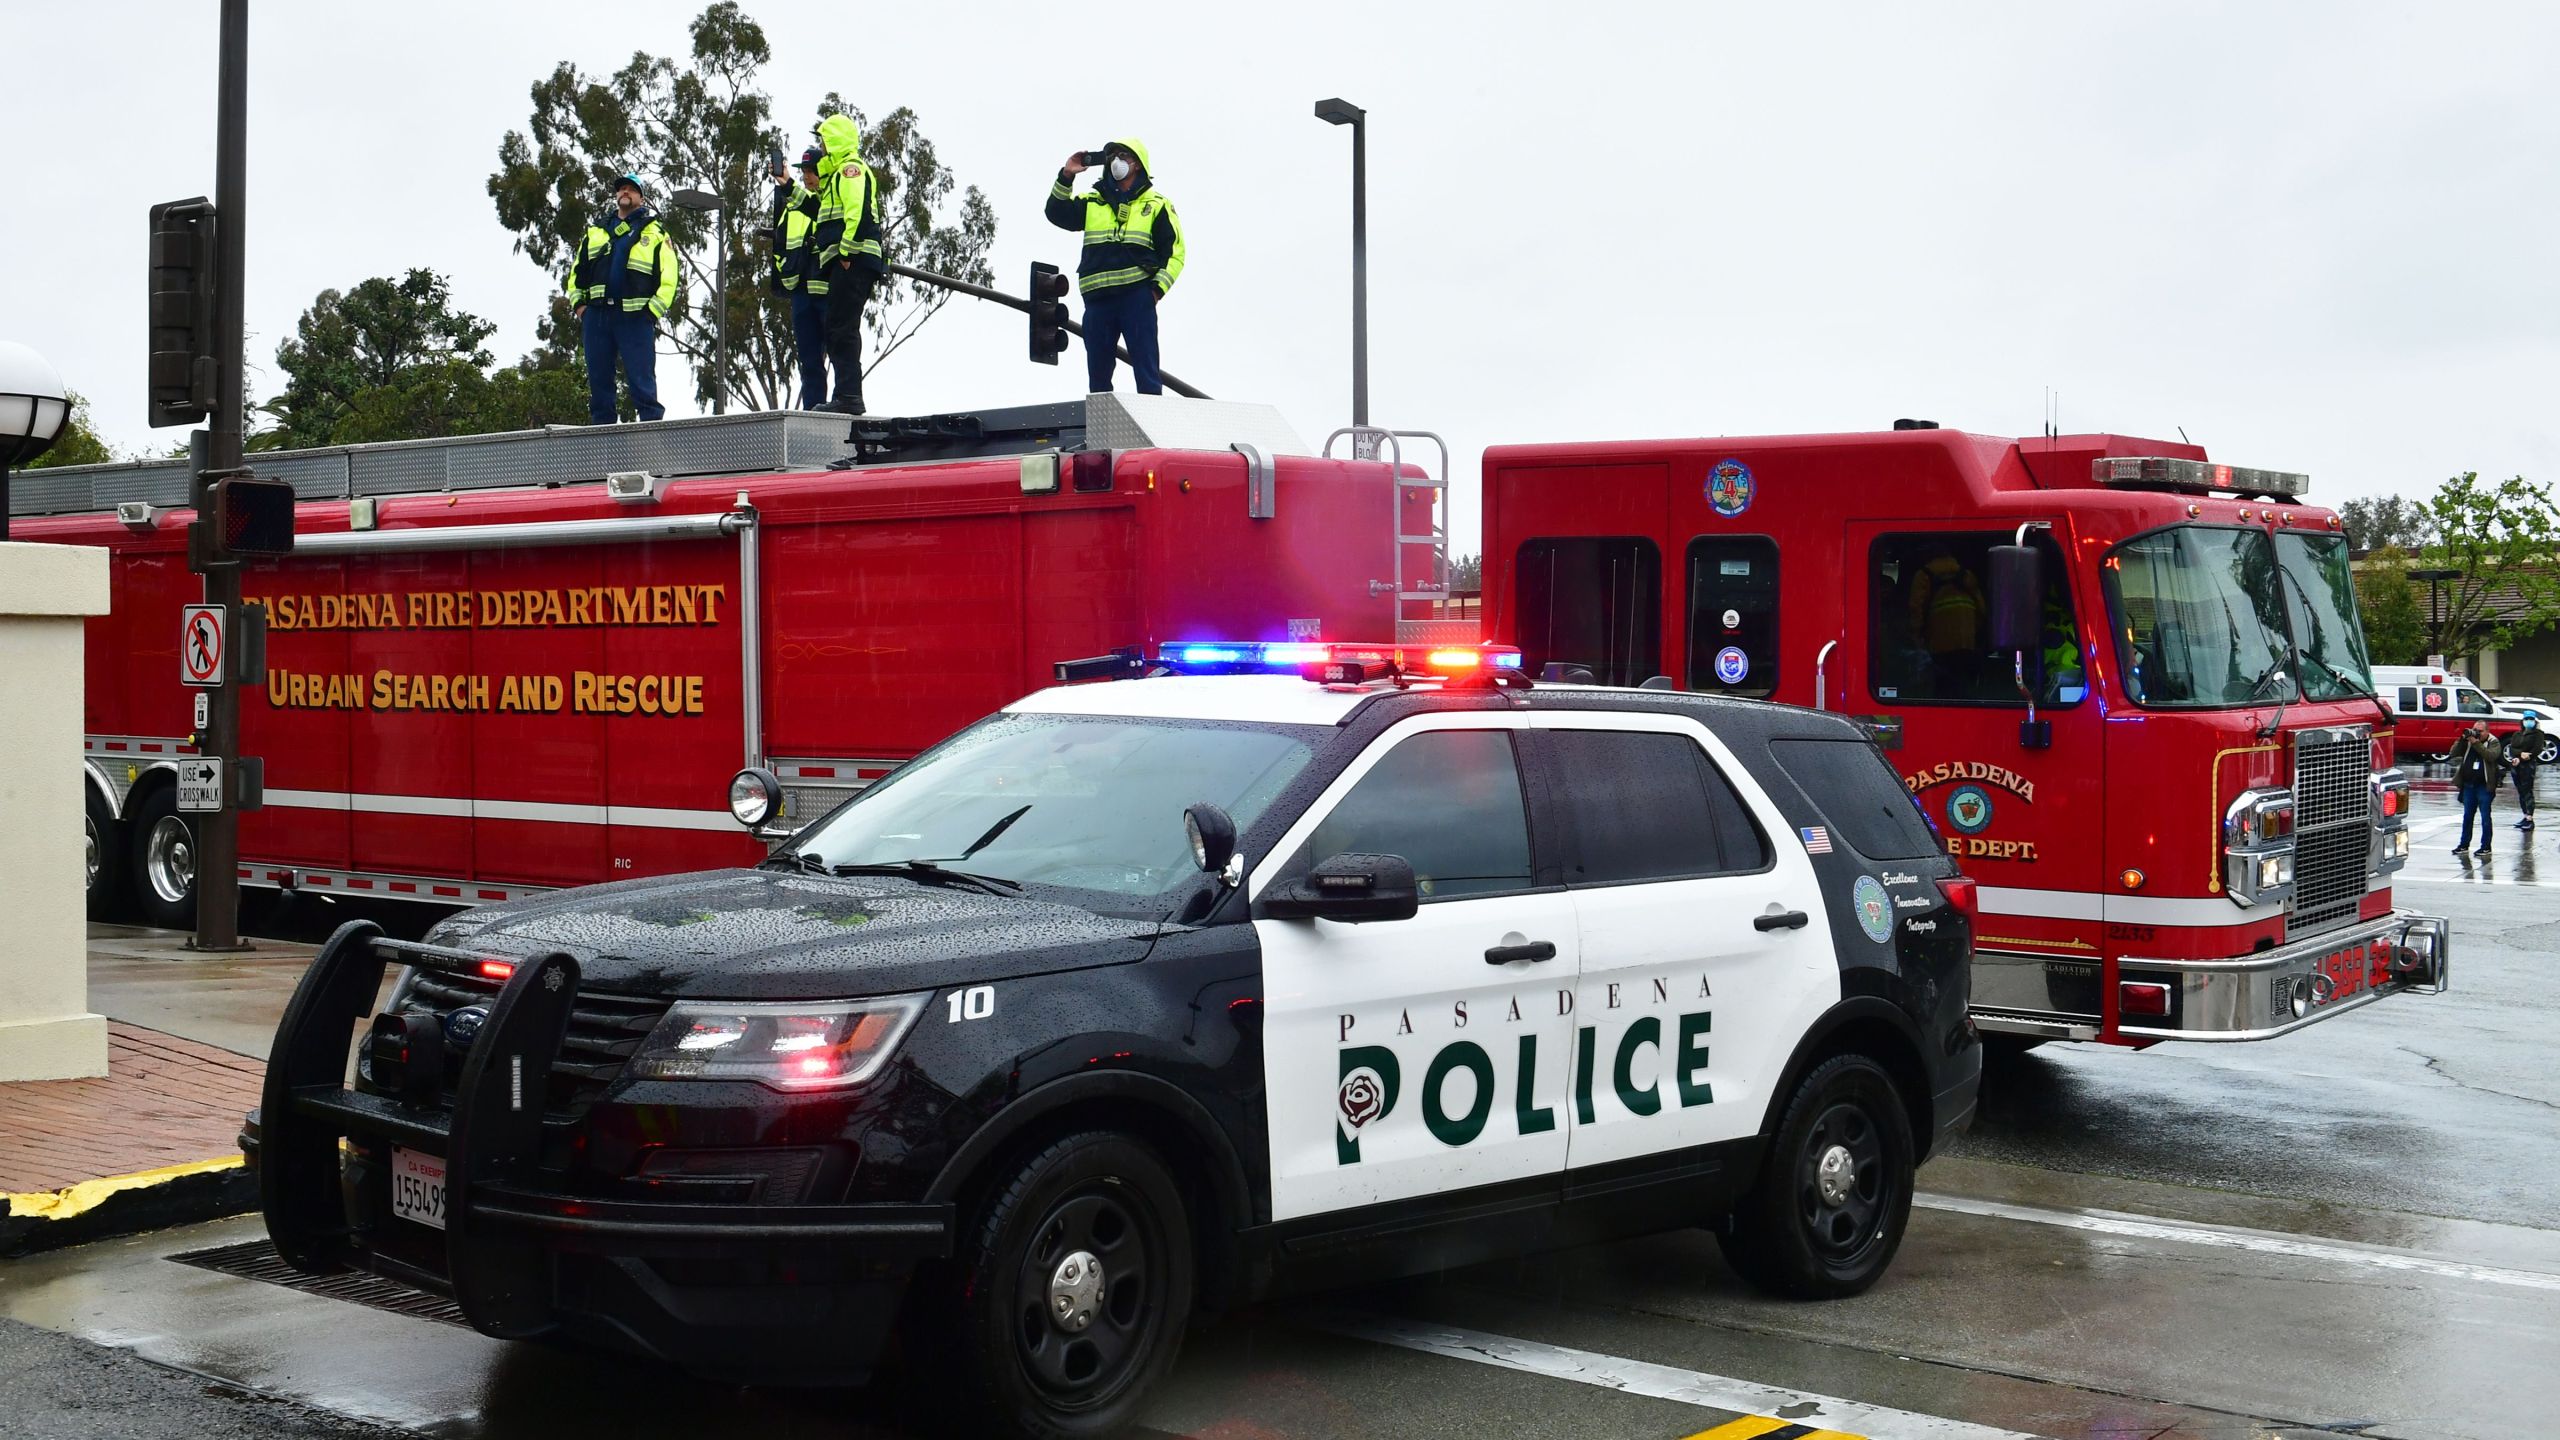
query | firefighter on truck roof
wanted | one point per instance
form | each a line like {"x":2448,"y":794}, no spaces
{"x":622,"y":282}
{"x":1133,"y":252}
{"x":796,"y":274}
{"x":849,"y":257}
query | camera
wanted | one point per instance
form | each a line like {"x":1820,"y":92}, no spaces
{"x":776,"y":166}
{"x":1096,"y":156}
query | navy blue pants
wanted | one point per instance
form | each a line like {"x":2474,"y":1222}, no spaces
{"x":1125,"y":314}
{"x":612,"y":335}
{"x":2477,"y":799}
{"x":809,"y":339}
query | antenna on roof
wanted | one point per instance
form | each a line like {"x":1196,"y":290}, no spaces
{"x":2182,"y":435}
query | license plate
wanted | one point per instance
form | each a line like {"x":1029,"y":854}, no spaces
{"x":417,"y":1187}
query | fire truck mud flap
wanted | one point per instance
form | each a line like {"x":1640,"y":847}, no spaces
{"x":507,"y":1235}
{"x":2273,"y":992}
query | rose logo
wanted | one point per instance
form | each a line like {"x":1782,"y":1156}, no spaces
{"x":1362,"y":1098}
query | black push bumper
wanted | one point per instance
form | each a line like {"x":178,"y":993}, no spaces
{"x":801,"y":1292}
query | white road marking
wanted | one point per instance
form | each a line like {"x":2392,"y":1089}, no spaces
{"x":2500,"y":881}
{"x":2336,"y":1252}
{"x":2438,"y":826}
{"x":1659,"y":1382}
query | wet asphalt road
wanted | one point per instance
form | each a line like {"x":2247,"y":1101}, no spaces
{"x":2351,"y":1230}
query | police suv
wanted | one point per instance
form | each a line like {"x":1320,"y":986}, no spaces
{"x":1143,"y":998}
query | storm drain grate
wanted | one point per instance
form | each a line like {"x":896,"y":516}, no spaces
{"x":258,"y":1260}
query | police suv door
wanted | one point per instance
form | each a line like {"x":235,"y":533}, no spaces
{"x":1414,"y":1058}
{"x":1706,"y":953}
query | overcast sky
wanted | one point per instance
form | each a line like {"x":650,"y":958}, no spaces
{"x":2317,"y":237}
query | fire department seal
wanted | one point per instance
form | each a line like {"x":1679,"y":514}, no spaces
{"x":1732,"y":665}
{"x":1730,"y":488}
{"x":1969,"y":809}
{"x":1874,"y":907}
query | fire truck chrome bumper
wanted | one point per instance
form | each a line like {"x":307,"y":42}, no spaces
{"x":2275,"y":992}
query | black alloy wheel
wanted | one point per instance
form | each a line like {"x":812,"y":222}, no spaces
{"x":1831,"y":1204}
{"x":1075,"y":1290}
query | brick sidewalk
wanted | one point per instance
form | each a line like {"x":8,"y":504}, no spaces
{"x":164,"y":1101}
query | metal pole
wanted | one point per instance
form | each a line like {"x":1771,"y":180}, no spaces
{"x":981,"y":292}
{"x":4,"y":502}
{"x":720,"y":362}
{"x":1360,"y":270}
{"x":217,"y":835}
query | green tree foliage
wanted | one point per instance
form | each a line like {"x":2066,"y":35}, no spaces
{"x":1466,"y":574}
{"x":2502,"y":541}
{"x":2387,"y":522}
{"x":78,"y":444}
{"x":2395,"y":610}
{"x":394,"y":360}
{"x":704,"y":123}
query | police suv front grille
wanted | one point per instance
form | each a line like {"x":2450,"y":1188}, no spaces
{"x":2332,"y":828}
{"x":604,"y":1031}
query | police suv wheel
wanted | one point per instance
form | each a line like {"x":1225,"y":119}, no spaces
{"x":1074,"y":1290}
{"x":164,"y":862}
{"x":1831,"y":1203}
{"x":105,"y":859}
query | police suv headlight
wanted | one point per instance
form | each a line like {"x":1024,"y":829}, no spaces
{"x":788,"y":1045}
{"x":755,"y":796}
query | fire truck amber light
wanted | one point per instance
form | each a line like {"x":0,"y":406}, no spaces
{"x":2131,"y":879}
{"x":2139,"y":998}
{"x":789,"y":1046}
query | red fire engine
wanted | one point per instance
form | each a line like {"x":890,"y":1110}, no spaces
{"x":509,"y":663}
{"x":2129,"y":686}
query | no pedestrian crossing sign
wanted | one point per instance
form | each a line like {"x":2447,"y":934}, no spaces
{"x":201,"y":631}
{"x":200,"y":784}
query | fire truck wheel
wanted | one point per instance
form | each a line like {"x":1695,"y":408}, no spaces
{"x":1073,"y":1291}
{"x":105,"y":858}
{"x":164,"y":862}
{"x":1831,"y":1203}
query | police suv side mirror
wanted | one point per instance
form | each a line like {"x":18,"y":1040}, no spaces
{"x":2017,"y":597}
{"x":1350,"y":888}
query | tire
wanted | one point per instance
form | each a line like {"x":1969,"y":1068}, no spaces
{"x":163,"y":845}
{"x":1025,"y":1371}
{"x":1798,"y":1237}
{"x":105,"y":856}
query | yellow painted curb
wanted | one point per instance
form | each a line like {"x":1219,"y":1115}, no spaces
{"x":72,"y":1200}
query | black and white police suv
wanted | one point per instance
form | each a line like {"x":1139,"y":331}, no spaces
{"x":1147,"y":997}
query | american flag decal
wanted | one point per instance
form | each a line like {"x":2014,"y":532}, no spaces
{"x":1817,"y":840}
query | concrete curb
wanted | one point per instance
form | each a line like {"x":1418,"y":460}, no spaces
{"x":127,"y":1205}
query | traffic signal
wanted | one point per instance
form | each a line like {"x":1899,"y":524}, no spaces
{"x":253,"y":515}
{"x":1048,"y":313}
{"x":182,"y":274}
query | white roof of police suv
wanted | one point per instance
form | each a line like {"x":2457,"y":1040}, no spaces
{"x":1270,"y":699}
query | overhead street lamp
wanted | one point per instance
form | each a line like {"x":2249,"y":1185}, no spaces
{"x":709,"y":203}
{"x":33,"y":407}
{"x":1343,"y":112}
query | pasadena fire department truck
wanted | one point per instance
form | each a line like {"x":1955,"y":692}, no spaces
{"x":2127,"y":684}
{"x":506,"y":664}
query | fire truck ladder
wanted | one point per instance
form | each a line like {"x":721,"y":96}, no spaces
{"x":1365,"y":443}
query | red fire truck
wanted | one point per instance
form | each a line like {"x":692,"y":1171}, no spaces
{"x":2128,"y":685}
{"x":509,"y":663}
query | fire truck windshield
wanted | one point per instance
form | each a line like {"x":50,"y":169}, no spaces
{"x":1087,"y":804}
{"x":2197,"y":618}
{"x":2320,"y":595}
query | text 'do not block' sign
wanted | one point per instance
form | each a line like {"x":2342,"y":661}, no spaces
{"x":201,"y":637}
{"x":199,"y":784}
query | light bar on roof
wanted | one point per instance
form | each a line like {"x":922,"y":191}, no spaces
{"x":2202,"y":477}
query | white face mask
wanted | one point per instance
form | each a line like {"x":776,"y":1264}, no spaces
{"x":1120,"y":167}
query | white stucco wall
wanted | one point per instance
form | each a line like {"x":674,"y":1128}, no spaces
{"x":46,"y":1030}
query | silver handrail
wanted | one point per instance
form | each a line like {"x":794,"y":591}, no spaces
{"x":1821,"y":689}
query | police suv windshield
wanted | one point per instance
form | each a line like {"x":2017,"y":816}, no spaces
{"x":2209,"y":617}
{"x":1091,"y":804}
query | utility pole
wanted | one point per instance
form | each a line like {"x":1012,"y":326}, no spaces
{"x":217,"y":868}
{"x":1343,"y":112}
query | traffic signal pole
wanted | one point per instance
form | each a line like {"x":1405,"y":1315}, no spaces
{"x":217,"y":833}
{"x":981,"y":292}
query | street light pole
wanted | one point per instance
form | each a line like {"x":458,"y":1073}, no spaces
{"x":33,"y":411}
{"x":706,"y":201}
{"x":1343,"y":112}
{"x":2435,"y":606}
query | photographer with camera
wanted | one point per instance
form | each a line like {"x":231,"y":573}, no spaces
{"x":1133,"y":252}
{"x":796,"y":274}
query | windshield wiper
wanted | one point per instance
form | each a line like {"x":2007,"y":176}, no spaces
{"x":800,"y":860}
{"x":929,"y":872}
{"x":2274,"y":671}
